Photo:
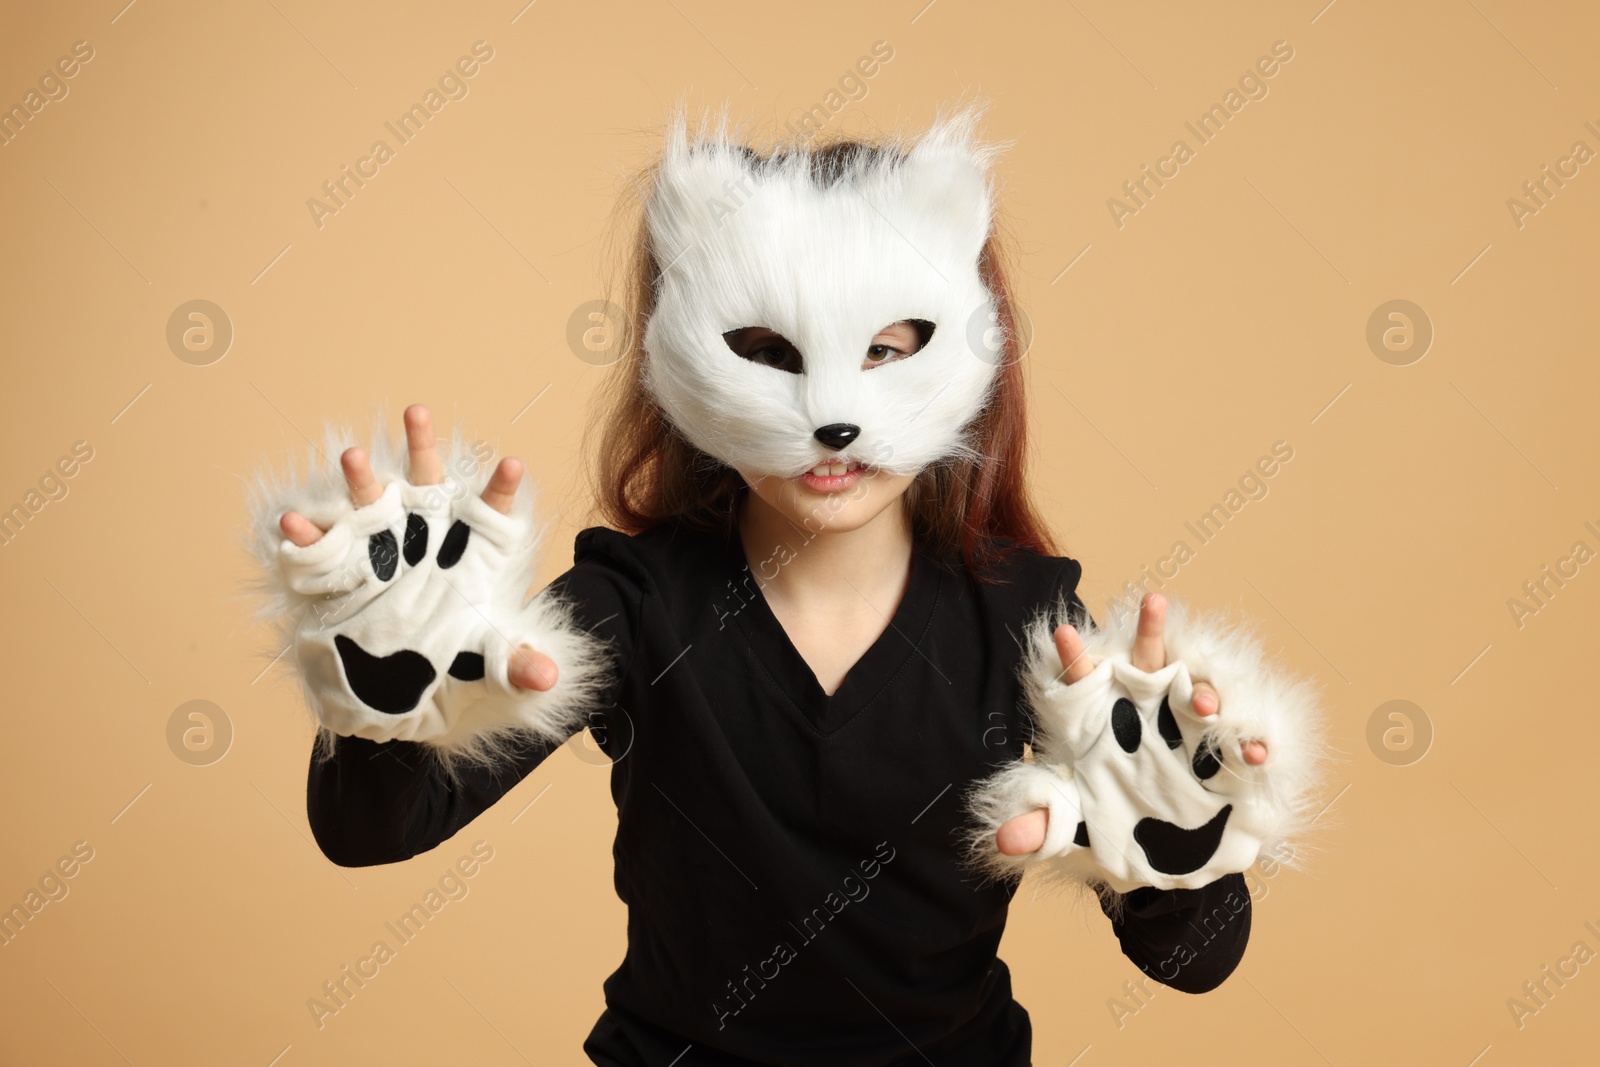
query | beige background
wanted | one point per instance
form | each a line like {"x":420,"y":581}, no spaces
{"x":1227,"y":314}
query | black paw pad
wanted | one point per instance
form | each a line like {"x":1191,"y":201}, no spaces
{"x":384,"y":554}
{"x":1172,"y":849}
{"x":1206,"y":763}
{"x":1125,"y":724}
{"x":1081,"y":837}
{"x":455,"y":543}
{"x":392,"y":684}
{"x":468,"y":667}
{"x":1168,"y":725}
{"x":416,"y":539}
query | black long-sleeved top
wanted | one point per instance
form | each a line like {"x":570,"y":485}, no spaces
{"x":791,"y":861}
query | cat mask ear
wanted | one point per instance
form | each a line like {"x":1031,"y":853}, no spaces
{"x":825,"y":247}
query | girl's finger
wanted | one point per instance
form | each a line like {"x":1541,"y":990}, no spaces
{"x":1075,"y":662}
{"x":364,"y":488}
{"x":1150,"y":647}
{"x":502,"y":487}
{"x":426,"y":466}
{"x":299,"y":529}
{"x":1024,"y":834}
{"x":1207,"y":703}
{"x":529,"y":669}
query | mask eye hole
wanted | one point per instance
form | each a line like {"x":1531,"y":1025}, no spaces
{"x":767,"y":347}
{"x":897,"y":341}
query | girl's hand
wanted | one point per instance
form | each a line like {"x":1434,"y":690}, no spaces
{"x":531,"y":669}
{"x":1026,"y":833}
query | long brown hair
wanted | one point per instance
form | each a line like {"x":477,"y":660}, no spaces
{"x":646,"y":473}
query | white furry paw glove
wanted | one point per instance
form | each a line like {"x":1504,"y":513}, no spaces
{"x":403,"y":617}
{"x":1141,"y":789}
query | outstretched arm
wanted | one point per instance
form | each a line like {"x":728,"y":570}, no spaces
{"x":418,"y":648}
{"x":1152,"y":784}
{"x":1189,"y":939}
{"x":372,"y":802}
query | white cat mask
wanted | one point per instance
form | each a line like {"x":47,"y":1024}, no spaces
{"x":827,"y":261}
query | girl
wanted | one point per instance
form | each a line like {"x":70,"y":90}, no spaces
{"x":826,"y":614}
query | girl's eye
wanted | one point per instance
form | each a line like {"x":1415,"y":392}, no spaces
{"x":910,"y":336}
{"x":766,"y":347}
{"x":772,"y":356}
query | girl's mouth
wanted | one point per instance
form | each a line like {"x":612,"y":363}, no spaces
{"x":833,"y":477}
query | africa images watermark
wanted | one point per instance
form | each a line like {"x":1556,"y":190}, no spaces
{"x":1537,"y":592}
{"x":852,"y":88}
{"x":852,"y":889}
{"x":53,"y":887}
{"x":749,"y":587}
{"x":338,"y":992}
{"x":52,"y":89}
{"x":52,"y":487}
{"x":1252,"y":85}
{"x":1252,"y":485}
{"x":452,"y":85}
{"x":1541,"y":190}
{"x":1537,"y":993}
{"x":1136,"y":996}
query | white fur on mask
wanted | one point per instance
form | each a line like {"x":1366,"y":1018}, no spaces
{"x":744,"y":244}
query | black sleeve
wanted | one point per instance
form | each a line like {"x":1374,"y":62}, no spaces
{"x":1189,"y":939}
{"x":1067,"y":579}
{"x":373,"y":802}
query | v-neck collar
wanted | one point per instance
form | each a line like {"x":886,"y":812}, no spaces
{"x":898,"y":647}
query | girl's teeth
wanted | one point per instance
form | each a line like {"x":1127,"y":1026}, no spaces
{"x":823,"y":470}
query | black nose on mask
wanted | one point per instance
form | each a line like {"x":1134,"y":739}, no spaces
{"x":837,"y":435}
